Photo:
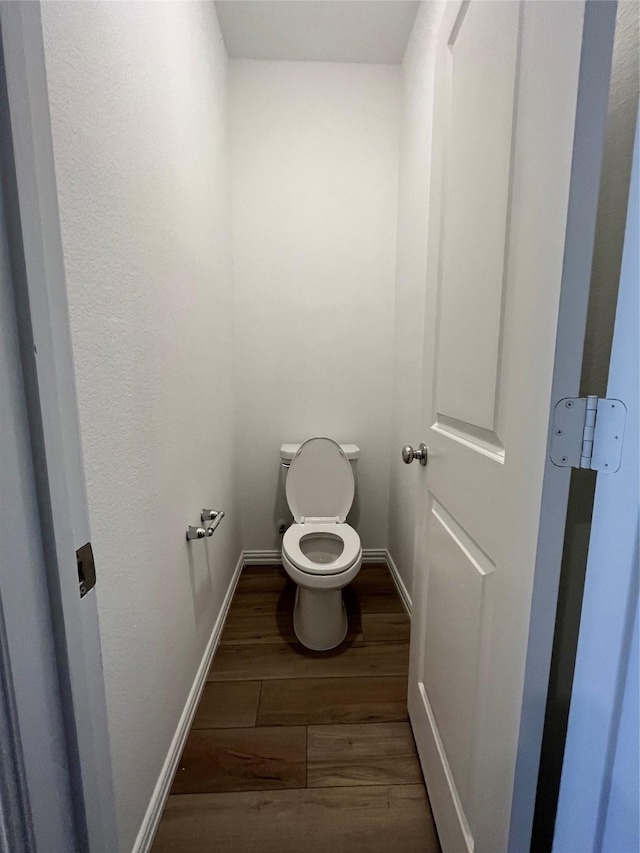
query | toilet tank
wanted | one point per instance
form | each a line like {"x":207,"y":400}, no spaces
{"x":351,"y":451}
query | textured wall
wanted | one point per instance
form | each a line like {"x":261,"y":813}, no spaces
{"x":314,"y":186}
{"x":410,"y":288}
{"x":138,"y":99}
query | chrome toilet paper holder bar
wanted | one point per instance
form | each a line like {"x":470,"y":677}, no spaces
{"x":210,"y":518}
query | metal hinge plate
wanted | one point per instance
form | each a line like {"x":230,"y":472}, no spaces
{"x":588,"y":433}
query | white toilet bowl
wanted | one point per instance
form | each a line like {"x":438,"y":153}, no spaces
{"x":321,"y":559}
{"x":320,"y":551}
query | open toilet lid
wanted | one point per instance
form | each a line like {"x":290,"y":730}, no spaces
{"x":320,"y":481}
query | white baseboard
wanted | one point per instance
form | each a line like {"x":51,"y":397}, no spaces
{"x":382,"y":555}
{"x":156,"y":806}
{"x":374,"y":555}
{"x":262,"y":558}
{"x":403,"y":592}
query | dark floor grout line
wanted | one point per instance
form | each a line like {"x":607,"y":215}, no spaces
{"x":255,"y":722}
{"x":302,"y":788}
{"x":334,"y":723}
{"x":359,"y":785}
{"x":245,"y":728}
{"x":350,"y":723}
{"x":357,"y":643}
{"x":307,"y":725}
{"x":289,"y":725}
{"x":220,"y":728}
{"x":304,"y":677}
{"x":319,"y":788}
{"x":244,"y":791}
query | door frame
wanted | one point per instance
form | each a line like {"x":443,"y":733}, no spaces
{"x":610,"y":602}
{"x":49,"y":380}
{"x":593,"y":96}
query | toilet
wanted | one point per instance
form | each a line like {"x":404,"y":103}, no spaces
{"x":320,"y":551}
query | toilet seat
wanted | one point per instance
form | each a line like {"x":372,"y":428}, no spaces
{"x":351,"y":552}
{"x":320,"y":484}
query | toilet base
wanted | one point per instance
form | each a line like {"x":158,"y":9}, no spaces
{"x":320,"y":618}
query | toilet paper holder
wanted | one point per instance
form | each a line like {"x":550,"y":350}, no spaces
{"x":211,"y":518}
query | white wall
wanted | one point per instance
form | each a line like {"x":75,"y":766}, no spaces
{"x":314,"y":162}
{"x":410,"y":285}
{"x":138,"y":101}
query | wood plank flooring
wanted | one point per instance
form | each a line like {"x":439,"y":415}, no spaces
{"x":308,"y":701}
{"x":365,"y":754}
{"x":295,"y":750}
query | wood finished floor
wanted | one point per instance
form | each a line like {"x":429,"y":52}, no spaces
{"x":292,"y":750}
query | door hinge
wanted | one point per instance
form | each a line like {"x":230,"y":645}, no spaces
{"x":588,"y":433}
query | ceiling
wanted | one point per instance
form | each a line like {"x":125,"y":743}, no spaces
{"x":371,"y":31}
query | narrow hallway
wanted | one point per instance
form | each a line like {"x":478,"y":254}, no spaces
{"x":296,"y":750}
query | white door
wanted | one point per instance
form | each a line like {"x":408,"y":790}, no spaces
{"x":519,"y":112}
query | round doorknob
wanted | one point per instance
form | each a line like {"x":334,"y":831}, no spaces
{"x":421,"y":454}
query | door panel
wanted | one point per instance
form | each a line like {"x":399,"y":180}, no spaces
{"x":455,"y":638}
{"x":475,"y":205}
{"x":505,"y":117}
